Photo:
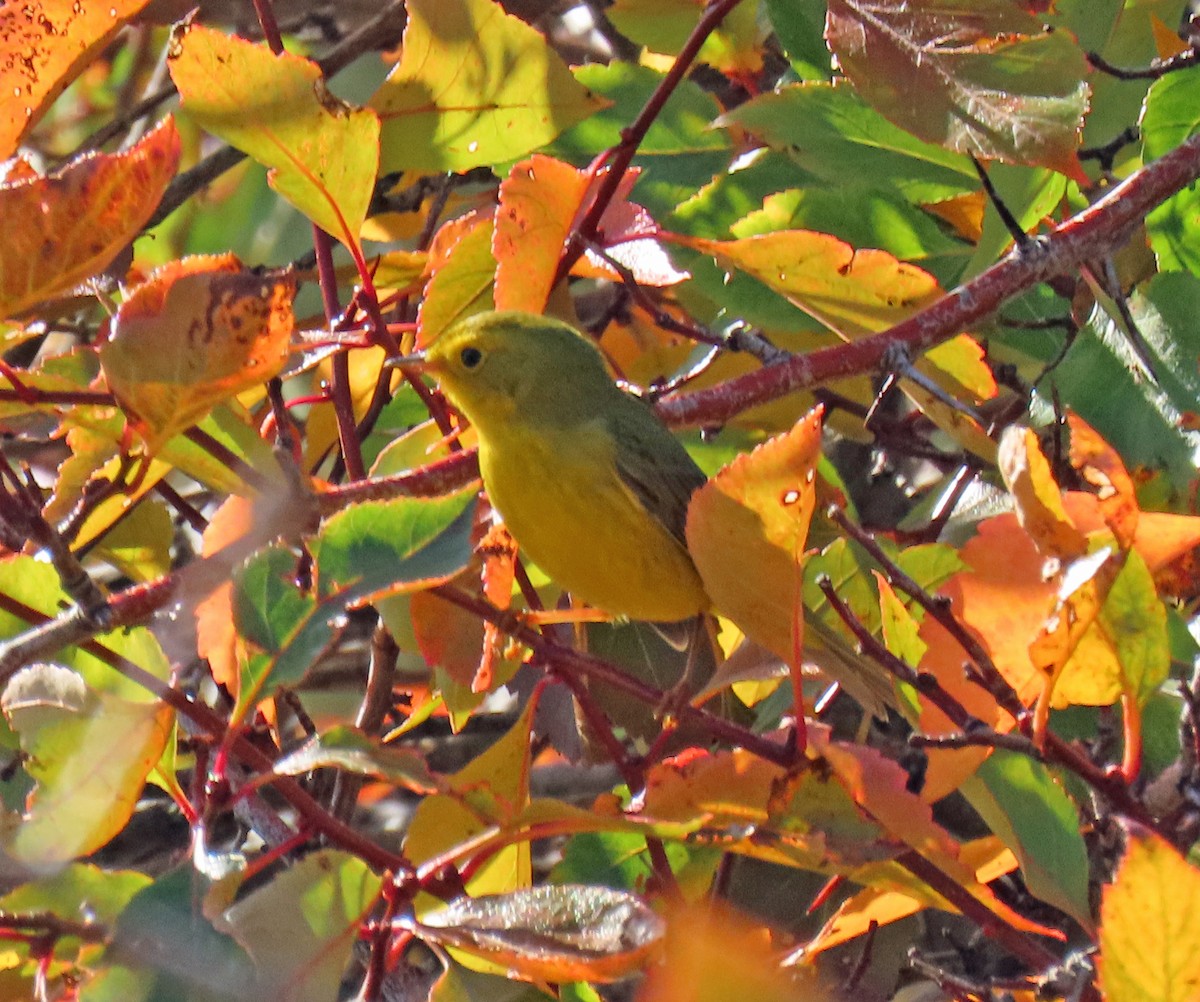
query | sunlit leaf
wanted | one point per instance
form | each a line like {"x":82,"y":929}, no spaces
{"x":1149,"y":923}
{"x":198,"y":332}
{"x":851,"y":291}
{"x":1169,"y":117}
{"x":749,"y":806}
{"x":474,"y":85}
{"x":34,"y":583}
{"x":89,"y":752}
{"x":883,"y":904}
{"x":44,"y":45}
{"x":833,"y":133}
{"x":75,"y":889}
{"x":1099,"y":465}
{"x":747,"y":530}
{"x":66,"y":227}
{"x":463,"y":271}
{"x":323,"y":154}
{"x":380,"y":547}
{"x":680,"y":152}
{"x":139,"y":546}
{"x":539,"y":201}
{"x":498,"y":781}
{"x":300,"y":928}
{"x":1038,"y":499}
{"x":1023,"y":803}
{"x":734,"y":47}
{"x":755,"y":514}
{"x":713,"y":954}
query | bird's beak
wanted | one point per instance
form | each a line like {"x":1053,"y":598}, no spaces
{"x":418,"y":361}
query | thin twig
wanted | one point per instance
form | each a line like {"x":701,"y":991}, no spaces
{"x":621,"y":156}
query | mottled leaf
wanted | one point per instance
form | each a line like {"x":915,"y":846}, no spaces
{"x":66,"y":227}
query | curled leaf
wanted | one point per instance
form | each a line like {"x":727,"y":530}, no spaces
{"x":564,"y":932}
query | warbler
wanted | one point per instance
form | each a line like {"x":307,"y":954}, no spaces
{"x":591,"y":484}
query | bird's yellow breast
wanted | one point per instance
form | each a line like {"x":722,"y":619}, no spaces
{"x":579,"y":522}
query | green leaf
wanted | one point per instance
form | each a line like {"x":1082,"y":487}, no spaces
{"x":163,"y":932}
{"x":392,"y":546}
{"x":322,"y":153}
{"x":1171,"y":115}
{"x":474,"y":86}
{"x":77,"y":890}
{"x":301,"y":927}
{"x":1135,"y":620}
{"x":462,"y":284}
{"x":738,"y":192}
{"x":268,"y":605}
{"x":681,"y":152}
{"x":833,"y":133}
{"x":1025,"y":806}
{"x":800,"y":28}
{"x":34,"y":583}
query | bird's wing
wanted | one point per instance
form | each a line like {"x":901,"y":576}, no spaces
{"x":654,"y":465}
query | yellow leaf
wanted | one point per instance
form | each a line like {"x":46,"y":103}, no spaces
{"x":1149,"y":926}
{"x":323,"y":154}
{"x":474,"y":86}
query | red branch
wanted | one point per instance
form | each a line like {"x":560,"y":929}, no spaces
{"x":1093,"y":233}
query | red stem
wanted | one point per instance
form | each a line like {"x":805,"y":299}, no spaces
{"x":621,"y":156}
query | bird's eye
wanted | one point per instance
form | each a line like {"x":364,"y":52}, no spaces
{"x":471,"y":357}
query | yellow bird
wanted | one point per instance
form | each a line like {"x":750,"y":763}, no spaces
{"x":590,"y":483}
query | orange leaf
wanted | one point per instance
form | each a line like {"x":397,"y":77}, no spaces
{"x":1150,"y":924}
{"x":713,"y":954}
{"x":943,"y":659}
{"x":217,"y":638}
{"x":539,"y":201}
{"x":64,"y":228}
{"x":44,"y":45}
{"x":198,"y":332}
{"x":746,"y":532}
{"x":447,"y":636}
{"x":499,"y":552}
{"x":881,"y":905}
